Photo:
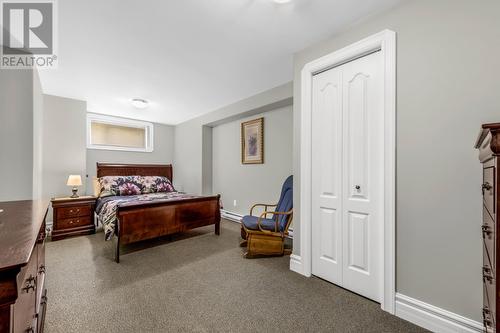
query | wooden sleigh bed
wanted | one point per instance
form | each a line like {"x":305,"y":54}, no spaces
{"x":152,"y":219}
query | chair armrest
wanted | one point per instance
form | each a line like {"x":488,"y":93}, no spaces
{"x":264,"y":215}
{"x":261,"y":205}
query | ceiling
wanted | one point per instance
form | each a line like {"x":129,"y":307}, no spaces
{"x":186,"y":57}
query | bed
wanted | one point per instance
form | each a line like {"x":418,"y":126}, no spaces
{"x":149,"y":216}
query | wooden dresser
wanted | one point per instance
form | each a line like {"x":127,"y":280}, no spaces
{"x":22,"y":266}
{"x":73,"y":217}
{"x":488,"y":144}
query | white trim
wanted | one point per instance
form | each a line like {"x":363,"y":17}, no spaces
{"x":149,"y":132}
{"x":296,"y":264}
{"x":433,"y":318}
{"x":384,"y":41}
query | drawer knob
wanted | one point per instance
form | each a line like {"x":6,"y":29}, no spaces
{"x":486,"y":186}
{"x":486,"y":229}
{"x":30,"y":284}
{"x":487,"y":274}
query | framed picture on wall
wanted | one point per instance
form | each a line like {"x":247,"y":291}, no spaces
{"x":252,"y":141}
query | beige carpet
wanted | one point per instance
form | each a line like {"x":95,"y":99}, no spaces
{"x":196,"y":282}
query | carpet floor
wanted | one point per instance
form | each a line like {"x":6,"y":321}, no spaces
{"x":195,"y":282}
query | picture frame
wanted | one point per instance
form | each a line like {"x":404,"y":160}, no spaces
{"x":252,"y":141}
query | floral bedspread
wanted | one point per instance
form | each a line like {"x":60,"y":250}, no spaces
{"x":107,"y":206}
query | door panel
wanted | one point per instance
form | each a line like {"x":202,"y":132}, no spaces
{"x":348,"y":175}
{"x":329,"y":226}
{"x":358,"y":242}
{"x":357,"y":136}
{"x":364,"y":173}
{"x":326,"y":187}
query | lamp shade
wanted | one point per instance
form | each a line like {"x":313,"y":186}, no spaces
{"x":74,"y":180}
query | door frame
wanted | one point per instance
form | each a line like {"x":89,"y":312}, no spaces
{"x":384,"y":42}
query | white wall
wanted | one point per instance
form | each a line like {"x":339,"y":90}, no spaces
{"x":18,"y":91}
{"x":191,"y":153}
{"x":64,"y":139}
{"x":447,"y":85}
{"x":65,"y":147}
{"x":37,"y":137}
{"x":252,"y":183}
{"x":163,"y":154}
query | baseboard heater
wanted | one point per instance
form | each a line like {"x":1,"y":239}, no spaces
{"x":230,"y":215}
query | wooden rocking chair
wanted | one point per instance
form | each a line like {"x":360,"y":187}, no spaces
{"x":263,"y":236}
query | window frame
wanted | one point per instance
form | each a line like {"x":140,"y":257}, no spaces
{"x":124,"y":122}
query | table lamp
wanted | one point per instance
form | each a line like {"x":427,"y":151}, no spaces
{"x":75,"y":181}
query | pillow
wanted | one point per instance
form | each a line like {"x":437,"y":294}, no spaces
{"x":120,"y":185}
{"x":154,"y":184}
{"x":96,"y":186}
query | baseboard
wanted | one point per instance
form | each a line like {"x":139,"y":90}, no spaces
{"x":433,"y":318}
{"x":296,"y":264}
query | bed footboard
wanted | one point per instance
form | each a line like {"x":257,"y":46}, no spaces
{"x":152,"y":220}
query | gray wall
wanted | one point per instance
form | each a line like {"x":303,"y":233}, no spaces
{"x":207,"y":163}
{"x":447,"y":85}
{"x":17,"y":92}
{"x":37,"y":136}
{"x":193,"y":155}
{"x":252,"y":183}
{"x":163,"y":154}
{"x":64,"y":140}
{"x":65,"y":147}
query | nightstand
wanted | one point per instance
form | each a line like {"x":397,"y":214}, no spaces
{"x":73,"y":217}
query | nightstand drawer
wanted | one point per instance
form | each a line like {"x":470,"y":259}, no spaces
{"x":75,"y":211}
{"x":73,"y":222}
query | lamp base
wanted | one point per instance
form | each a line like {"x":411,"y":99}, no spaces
{"x":75,"y":195}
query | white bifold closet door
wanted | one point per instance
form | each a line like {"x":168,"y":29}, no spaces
{"x":348,"y":175}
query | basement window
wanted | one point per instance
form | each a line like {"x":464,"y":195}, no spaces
{"x":113,"y":133}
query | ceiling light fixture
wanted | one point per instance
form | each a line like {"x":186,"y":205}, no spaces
{"x":282,"y":1}
{"x":140,"y":103}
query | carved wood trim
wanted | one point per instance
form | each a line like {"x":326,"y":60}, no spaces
{"x":111,"y":169}
{"x":488,"y":141}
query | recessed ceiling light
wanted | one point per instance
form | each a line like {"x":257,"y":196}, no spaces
{"x":140,"y":103}
{"x":282,"y":1}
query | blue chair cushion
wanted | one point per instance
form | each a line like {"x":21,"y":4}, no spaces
{"x":285,"y":203}
{"x":250,"y":222}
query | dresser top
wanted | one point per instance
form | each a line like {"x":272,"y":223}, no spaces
{"x":20,"y":223}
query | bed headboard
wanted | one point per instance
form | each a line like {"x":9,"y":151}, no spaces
{"x":111,"y":169}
